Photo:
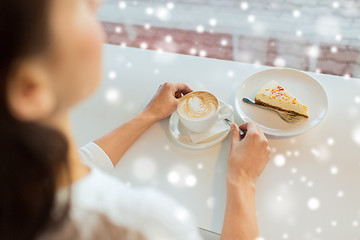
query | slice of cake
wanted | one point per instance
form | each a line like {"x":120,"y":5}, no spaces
{"x":274,"y":96}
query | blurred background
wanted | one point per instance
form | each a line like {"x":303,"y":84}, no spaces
{"x":320,"y":36}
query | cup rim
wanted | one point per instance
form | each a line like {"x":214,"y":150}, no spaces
{"x":199,"y":119}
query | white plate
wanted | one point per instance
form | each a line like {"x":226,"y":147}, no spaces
{"x":179,"y":134}
{"x":304,"y":87}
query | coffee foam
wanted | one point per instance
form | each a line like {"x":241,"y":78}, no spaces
{"x":198,"y":105}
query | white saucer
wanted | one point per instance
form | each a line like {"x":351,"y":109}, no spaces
{"x":179,"y":133}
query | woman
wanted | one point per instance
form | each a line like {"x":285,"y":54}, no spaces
{"x":51,"y":60}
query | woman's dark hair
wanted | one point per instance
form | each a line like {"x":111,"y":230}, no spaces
{"x":31,"y":155}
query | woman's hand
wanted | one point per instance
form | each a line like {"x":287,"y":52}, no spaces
{"x":166,"y":99}
{"x":249,"y":156}
{"x":117,"y":142}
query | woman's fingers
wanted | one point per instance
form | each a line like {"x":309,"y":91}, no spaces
{"x":250,"y":128}
{"x":177,"y":89}
{"x":182,"y":88}
{"x":235,"y":133}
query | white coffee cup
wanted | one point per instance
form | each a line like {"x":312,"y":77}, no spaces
{"x":198,"y":111}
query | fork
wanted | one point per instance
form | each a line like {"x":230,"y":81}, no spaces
{"x":287,"y":117}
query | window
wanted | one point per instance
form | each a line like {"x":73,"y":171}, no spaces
{"x":319,"y":35}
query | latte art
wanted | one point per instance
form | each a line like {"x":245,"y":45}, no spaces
{"x":198,"y":105}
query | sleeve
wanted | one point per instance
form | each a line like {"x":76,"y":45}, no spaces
{"x":93,"y":156}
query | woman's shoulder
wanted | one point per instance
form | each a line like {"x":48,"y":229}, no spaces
{"x":84,"y":224}
{"x":154,"y":213}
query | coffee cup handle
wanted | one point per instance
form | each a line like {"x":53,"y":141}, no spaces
{"x":226,"y":108}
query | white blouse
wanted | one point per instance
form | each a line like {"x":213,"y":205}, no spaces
{"x":102,"y":207}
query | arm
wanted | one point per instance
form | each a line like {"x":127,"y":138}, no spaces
{"x":240,"y":219}
{"x":118,"y":141}
{"x":247,"y":159}
{"x":163,"y":104}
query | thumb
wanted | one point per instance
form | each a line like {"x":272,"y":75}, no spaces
{"x":235,"y":132}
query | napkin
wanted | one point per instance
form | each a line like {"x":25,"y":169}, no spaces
{"x":218,"y":127}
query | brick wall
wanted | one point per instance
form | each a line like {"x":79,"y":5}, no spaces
{"x":283,"y":31}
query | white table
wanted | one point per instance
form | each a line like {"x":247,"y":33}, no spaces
{"x":322,"y":164}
